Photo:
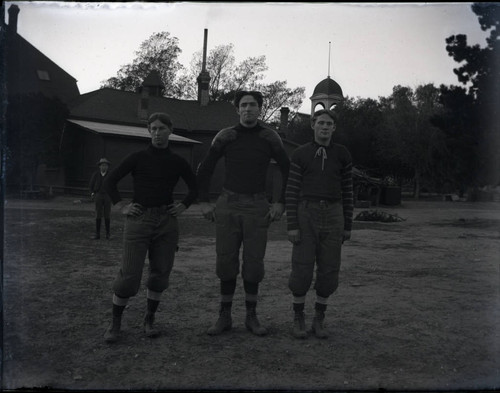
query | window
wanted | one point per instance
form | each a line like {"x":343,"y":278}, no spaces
{"x":43,"y":75}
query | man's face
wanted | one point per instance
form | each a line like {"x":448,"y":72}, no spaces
{"x":324,"y":127}
{"x":104,"y":167}
{"x":249,"y":111}
{"x":160,"y":133}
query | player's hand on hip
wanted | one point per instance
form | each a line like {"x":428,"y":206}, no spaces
{"x":132,"y":209}
{"x":176,"y":209}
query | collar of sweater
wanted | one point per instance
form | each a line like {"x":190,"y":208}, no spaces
{"x":241,"y":127}
{"x":157,"y":151}
{"x":316,"y":145}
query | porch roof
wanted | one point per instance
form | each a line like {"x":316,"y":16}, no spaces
{"x":124,"y":130}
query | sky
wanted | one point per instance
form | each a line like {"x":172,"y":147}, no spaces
{"x":367,"y":48}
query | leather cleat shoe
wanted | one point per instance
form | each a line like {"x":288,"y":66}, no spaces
{"x":299,"y":326}
{"x":149,"y":330}
{"x":112,"y":335}
{"x":252,"y":324}
{"x":224,"y":322}
{"x":317,"y":327}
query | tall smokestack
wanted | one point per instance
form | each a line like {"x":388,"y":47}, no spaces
{"x":205,"y":39}
{"x":204,"y":77}
{"x":284,"y":118}
{"x":13,"y":12}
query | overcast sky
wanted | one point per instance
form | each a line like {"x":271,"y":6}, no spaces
{"x":374,"y":46}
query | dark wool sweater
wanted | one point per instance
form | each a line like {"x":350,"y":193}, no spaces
{"x":247,"y":152}
{"x":97,"y":181}
{"x":155,"y":174}
{"x":320,"y":173}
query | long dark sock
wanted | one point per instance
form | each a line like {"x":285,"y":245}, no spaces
{"x":251,"y":294}
{"x":118,"y":311}
{"x":107,"y":222}
{"x":298,"y":302}
{"x":97,"y":226}
{"x":152,"y":306}
{"x":227,"y":287}
{"x":320,"y":307}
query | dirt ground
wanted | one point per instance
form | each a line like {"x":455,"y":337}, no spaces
{"x":418,"y":307}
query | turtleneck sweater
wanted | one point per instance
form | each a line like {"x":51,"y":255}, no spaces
{"x":155,"y":174}
{"x":247,"y":152}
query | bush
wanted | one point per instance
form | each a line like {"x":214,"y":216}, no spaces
{"x":377,"y":215}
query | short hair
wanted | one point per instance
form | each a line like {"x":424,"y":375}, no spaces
{"x":163,"y":117}
{"x":255,"y":94}
{"x":328,"y":112}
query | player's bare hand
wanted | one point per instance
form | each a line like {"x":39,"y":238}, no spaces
{"x":346,"y":236}
{"x":275,"y":212}
{"x":294,"y":236}
{"x":176,"y":209}
{"x":208,"y":211}
{"x":132,"y":209}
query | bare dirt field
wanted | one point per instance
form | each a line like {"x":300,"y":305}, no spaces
{"x":418,"y":308}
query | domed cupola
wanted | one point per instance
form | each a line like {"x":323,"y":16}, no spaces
{"x":327,"y":93}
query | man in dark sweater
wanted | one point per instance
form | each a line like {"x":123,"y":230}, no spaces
{"x":151,"y":224}
{"x":242,"y":212}
{"x":319,"y":208}
{"x":101,"y":198}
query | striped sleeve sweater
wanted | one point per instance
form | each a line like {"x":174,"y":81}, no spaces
{"x":318,"y":172}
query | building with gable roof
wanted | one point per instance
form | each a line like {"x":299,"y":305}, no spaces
{"x":112,"y":123}
{"x":29,"y":71}
{"x":37,"y":92}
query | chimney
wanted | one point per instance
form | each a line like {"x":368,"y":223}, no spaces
{"x":284,"y":119}
{"x":154,"y":83}
{"x":204,"y":77}
{"x":13,"y":12}
{"x":143,"y":104}
{"x":152,"y":86}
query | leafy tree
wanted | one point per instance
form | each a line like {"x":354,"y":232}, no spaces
{"x":455,"y":166}
{"x":278,"y":95}
{"x":159,"y":52}
{"x":358,"y":127}
{"x":409,"y":140}
{"x":227,"y":77}
{"x":479,"y":70}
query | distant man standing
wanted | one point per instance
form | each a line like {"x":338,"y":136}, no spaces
{"x":101,"y":198}
{"x":319,"y":208}
{"x":151,"y":225}
{"x":242,"y":212}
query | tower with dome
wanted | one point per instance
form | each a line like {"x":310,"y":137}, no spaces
{"x":327,"y":94}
